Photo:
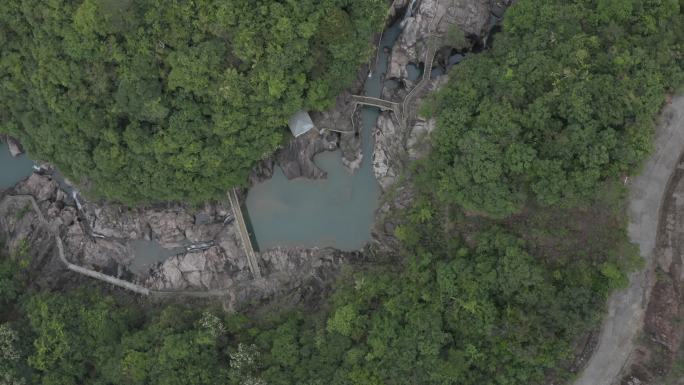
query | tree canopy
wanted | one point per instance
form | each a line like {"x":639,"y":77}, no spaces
{"x":168,"y":100}
{"x":564,"y":99}
{"x":563,"y":102}
{"x":492,"y":314}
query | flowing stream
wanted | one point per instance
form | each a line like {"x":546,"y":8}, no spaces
{"x":338,"y":211}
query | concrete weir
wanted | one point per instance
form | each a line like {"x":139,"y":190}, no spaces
{"x":244,"y":234}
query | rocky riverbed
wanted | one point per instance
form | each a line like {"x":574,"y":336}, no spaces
{"x":100,"y":235}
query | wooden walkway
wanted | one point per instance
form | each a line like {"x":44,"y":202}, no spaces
{"x":244,"y":234}
{"x":28,"y":199}
{"x":53,"y":230}
{"x":427,"y":75}
{"x":403,"y":110}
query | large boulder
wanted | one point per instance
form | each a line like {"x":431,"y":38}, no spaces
{"x":42,"y":187}
{"x":168,"y":226}
{"x":388,"y":146}
{"x":296,"y":158}
{"x":203,"y":270}
{"x":114,"y":221}
{"x":471,"y":16}
{"x":15,"y":148}
{"x":341,"y":119}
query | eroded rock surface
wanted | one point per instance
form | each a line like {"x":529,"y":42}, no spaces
{"x":209,"y":269}
{"x":15,"y":148}
{"x":99,"y":238}
{"x":22,"y":235}
{"x":395,"y":145}
{"x":436,"y":17}
{"x":296,"y":158}
{"x":344,"y":119}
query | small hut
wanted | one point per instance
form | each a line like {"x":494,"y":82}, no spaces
{"x":300,"y":123}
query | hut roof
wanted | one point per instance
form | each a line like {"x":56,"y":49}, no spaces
{"x":300,"y":123}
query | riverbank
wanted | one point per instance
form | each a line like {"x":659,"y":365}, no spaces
{"x":110,"y":238}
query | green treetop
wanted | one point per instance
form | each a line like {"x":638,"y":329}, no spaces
{"x":170,"y":100}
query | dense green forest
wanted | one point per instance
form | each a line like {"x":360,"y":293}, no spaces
{"x":540,"y":126}
{"x":565,"y":99}
{"x":171,"y":100}
{"x":492,"y":314}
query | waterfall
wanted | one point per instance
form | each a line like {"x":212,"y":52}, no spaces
{"x":74,"y":194}
{"x":409,"y":11}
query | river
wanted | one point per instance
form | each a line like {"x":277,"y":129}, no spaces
{"x":338,"y":211}
{"x":12,"y":170}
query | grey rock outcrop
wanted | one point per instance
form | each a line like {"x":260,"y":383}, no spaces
{"x":296,"y":158}
{"x":172,"y":226}
{"x":43,"y":188}
{"x":388,"y":149}
{"x":285,"y":270}
{"x":202,"y":270}
{"x":169,"y":226}
{"x":395,"y":145}
{"x":15,"y":148}
{"x":341,"y":119}
{"x":218,"y":270}
{"x":397,"y":8}
{"x":262,"y":171}
{"x":112,"y":221}
{"x":306,"y":275}
{"x":436,"y":17}
{"x":472,"y":16}
{"x":25,"y":239}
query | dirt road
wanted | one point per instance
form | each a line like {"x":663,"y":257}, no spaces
{"x":627,"y":307}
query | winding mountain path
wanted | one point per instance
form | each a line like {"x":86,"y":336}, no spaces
{"x":53,"y":229}
{"x":627,"y":307}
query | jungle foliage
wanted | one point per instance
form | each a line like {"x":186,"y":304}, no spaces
{"x":564,"y":99}
{"x":562,"y":104}
{"x":454,"y":314}
{"x":164,"y":100}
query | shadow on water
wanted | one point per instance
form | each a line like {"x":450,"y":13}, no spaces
{"x":338,"y":211}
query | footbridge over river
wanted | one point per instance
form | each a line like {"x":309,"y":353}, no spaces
{"x":403,"y":110}
{"x":382,"y":104}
